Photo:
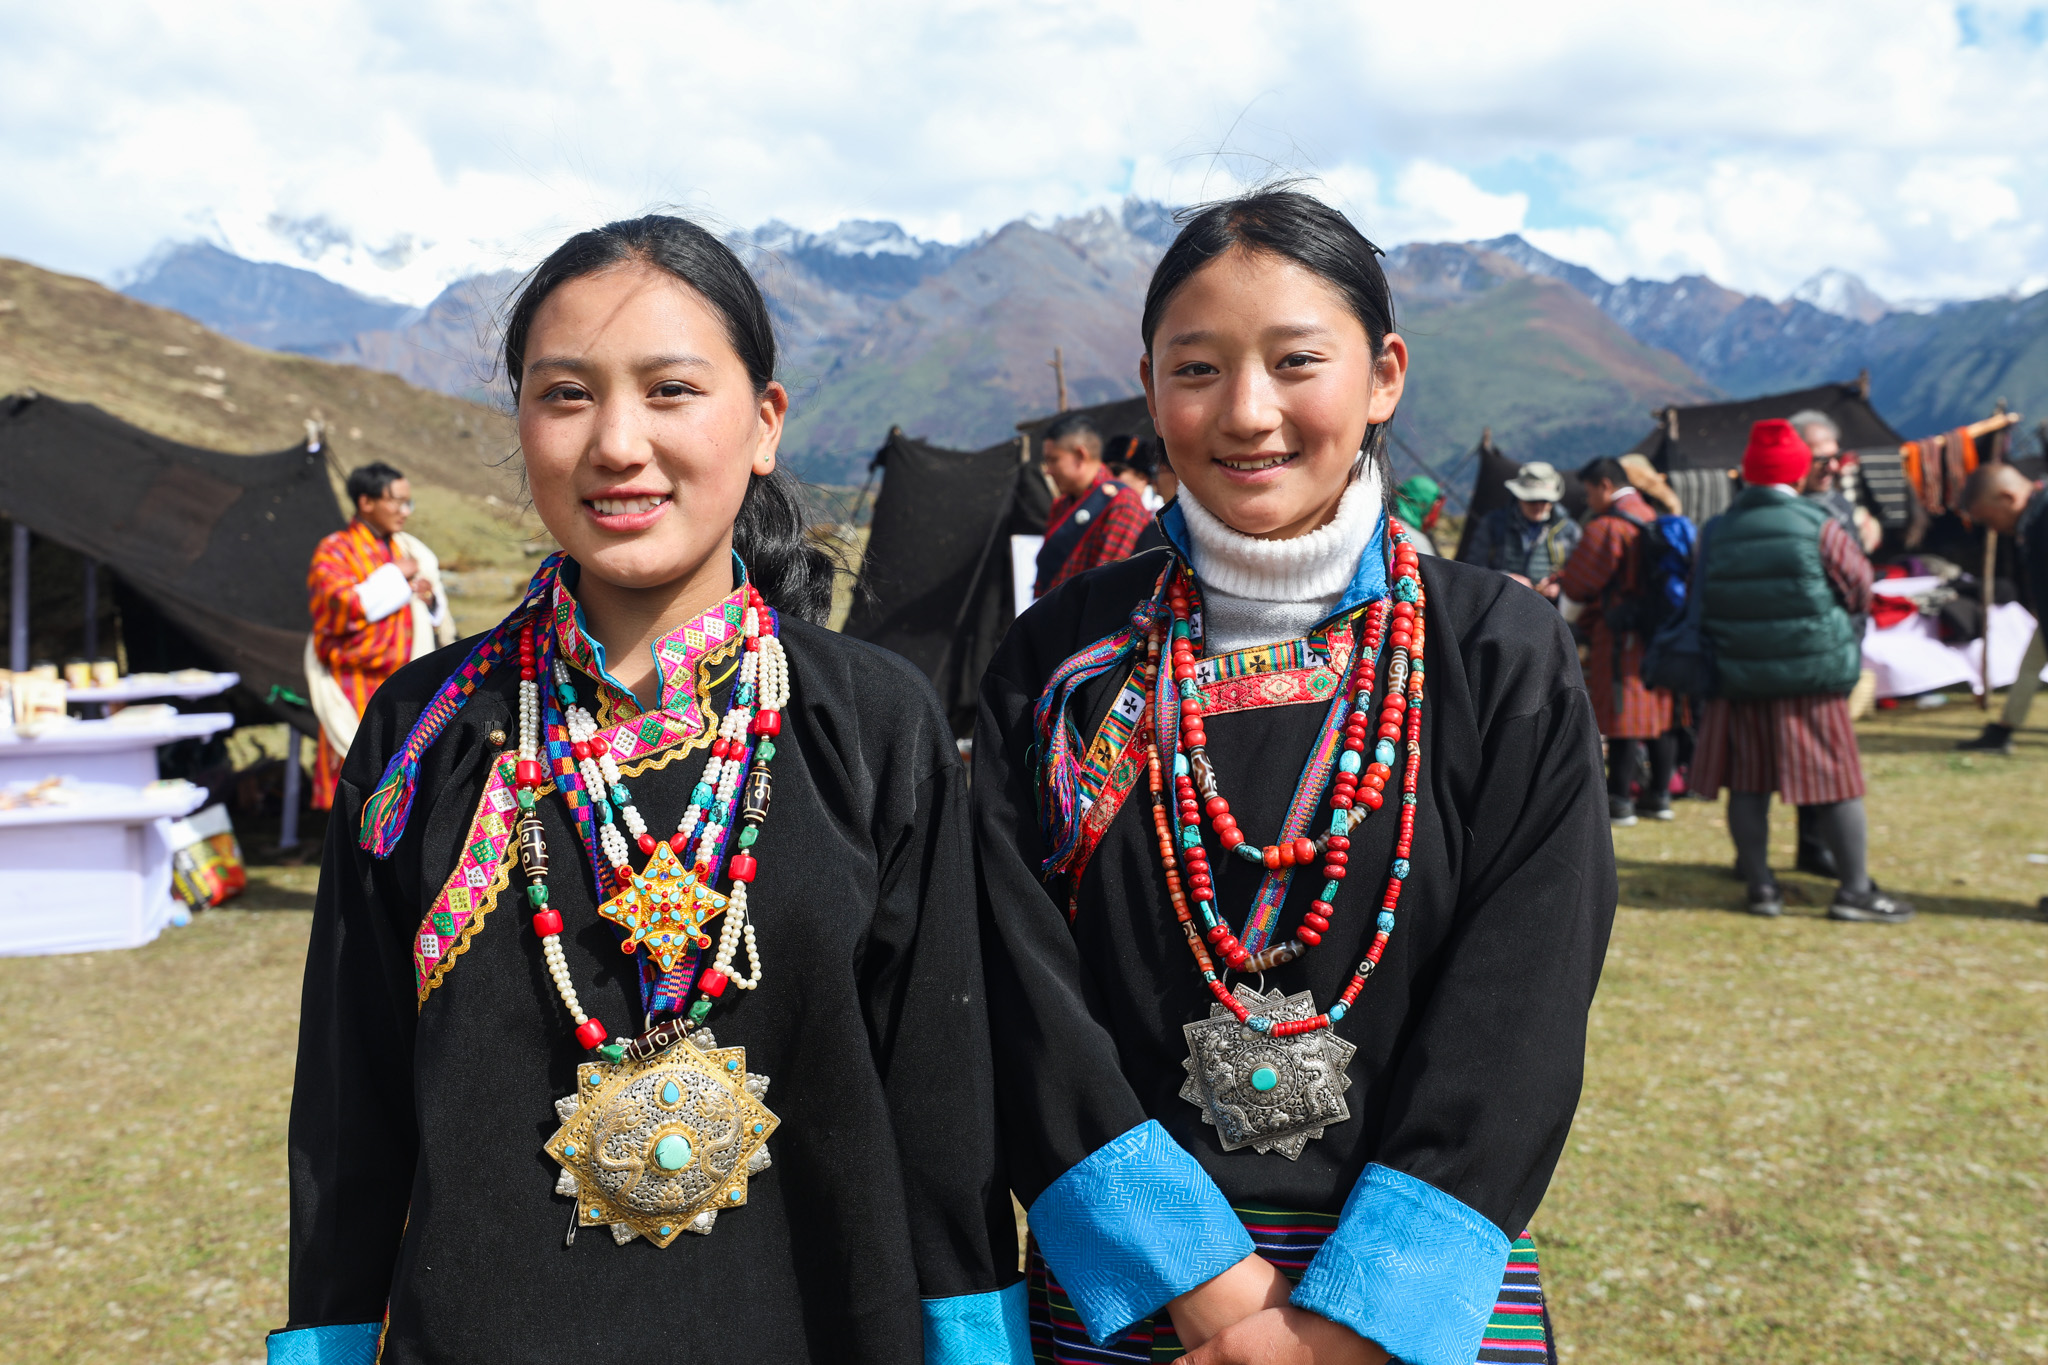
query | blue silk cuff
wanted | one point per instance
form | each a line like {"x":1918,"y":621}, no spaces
{"x":978,"y":1329}
{"x":1409,"y":1268}
{"x":352,"y":1343}
{"x":1136,"y":1223}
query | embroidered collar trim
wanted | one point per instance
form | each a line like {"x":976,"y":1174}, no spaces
{"x":676,"y":654}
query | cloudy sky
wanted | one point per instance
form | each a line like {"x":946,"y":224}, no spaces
{"x":395,"y":144}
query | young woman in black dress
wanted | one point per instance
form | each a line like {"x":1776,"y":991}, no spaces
{"x":660,"y":800}
{"x":1296,"y":867}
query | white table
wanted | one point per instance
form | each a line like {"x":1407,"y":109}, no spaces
{"x":117,"y":751}
{"x":91,"y":874}
{"x":133,"y":688}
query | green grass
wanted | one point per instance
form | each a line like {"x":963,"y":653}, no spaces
{"x":1809,"y":1141}
{"x":1800,"y":1140}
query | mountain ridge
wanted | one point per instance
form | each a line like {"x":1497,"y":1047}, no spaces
{"x":952,"y":340}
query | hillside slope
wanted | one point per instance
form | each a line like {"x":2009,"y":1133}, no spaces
{"x":963,"y":355}
{"x":1491,"y":344}
{"x":1929,"y":371}
{"x":75,"y":339}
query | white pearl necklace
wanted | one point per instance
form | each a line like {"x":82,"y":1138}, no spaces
{"x":764,"y":674}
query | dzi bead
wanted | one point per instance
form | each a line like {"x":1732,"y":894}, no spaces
{"x":533,"y":848}
{"x":754,"y":805}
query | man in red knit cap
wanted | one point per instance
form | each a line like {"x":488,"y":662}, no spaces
{"x":1780,"y":585}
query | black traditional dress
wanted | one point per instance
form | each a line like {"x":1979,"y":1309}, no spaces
{"x":1403,"y":1220}
{"x":425,"y":1223}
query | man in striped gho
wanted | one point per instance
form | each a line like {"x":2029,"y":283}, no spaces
{"x":1781,"y":584}
{"x":377,"y":603}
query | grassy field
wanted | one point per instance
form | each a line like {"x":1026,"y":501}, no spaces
{"x":1800,"y":1141}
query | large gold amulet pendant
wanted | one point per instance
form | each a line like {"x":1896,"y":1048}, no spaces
{"x":662,"y":1141}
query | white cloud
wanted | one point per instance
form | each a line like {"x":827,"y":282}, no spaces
{"x":1901,"y":139}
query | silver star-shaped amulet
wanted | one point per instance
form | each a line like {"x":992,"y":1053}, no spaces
{"x":1267,"y":1093}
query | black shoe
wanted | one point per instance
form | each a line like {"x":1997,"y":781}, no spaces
{"x":1766,"y":900}
{"x":1870,"y":906}
{"x":1818,"y":859}
{"x":1658,"y":810}
{"x":1996,"y":739}
{"x":1620,"y":813}
{"x":2041,"y":908}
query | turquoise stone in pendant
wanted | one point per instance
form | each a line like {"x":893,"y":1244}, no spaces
{"x":672,"y":1153}
{"x":670,"y":1093}
{"x":666,"y":1229}
{"x":1265,"y":1078}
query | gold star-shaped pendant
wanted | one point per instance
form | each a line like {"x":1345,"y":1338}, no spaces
{"x":662,"y":1142}
{"x":664,"y":908}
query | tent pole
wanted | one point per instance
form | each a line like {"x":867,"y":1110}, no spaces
{"x":92,"y":608}
{"x":17,"y":606}
{"x":288,"y":827}
{"x":1990,"y":567}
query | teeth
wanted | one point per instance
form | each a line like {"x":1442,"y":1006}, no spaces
{"x":618,"y":507}
{"x":1254,"y":466}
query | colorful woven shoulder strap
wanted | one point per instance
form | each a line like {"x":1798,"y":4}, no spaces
{"x":385,"y":813}
{"x":1059,"y":743}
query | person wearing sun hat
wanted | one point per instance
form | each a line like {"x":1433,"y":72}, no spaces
{"x":1529,"y":539}
{"x":1780,"y":582}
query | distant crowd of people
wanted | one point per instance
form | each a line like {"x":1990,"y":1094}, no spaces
{"x":1735,"y":645}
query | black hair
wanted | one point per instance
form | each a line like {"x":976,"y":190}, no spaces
{"x":1297,"y":227}
{"x":1142,"y":454}
{"x":1606,"y":469}
{"x":771,"y":534}
{"x":370,"y":481}
{"x":1071,"y":426}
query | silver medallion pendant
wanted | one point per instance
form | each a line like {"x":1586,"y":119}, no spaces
{"x":1267,"y":1093}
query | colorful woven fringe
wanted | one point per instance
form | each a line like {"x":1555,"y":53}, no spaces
{"x":1517,"y":1333}
{"x":388,"y":808}
{"x":1059,"y":743}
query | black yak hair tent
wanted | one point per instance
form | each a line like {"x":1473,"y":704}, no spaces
{"x":1699,"y":448}
{"x":215,"y":545}
{"x":1124,"y":417}
{"x":935,"y":581}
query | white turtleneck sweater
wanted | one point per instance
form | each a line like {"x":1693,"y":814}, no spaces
{"x":1258,"y":592}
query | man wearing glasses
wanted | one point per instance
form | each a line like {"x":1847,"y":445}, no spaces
{"x":377,"y":604}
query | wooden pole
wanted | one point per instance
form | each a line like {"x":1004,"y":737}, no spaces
{"x":92,"y":609}
{"x":1990,"y":566}
{"x":18,"y":603}
{"x":1059,"y":375}
{"x":288,"y":824}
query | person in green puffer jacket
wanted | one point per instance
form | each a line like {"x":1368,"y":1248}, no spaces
{"x":1781,"y":584}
